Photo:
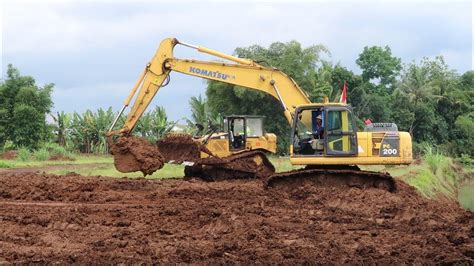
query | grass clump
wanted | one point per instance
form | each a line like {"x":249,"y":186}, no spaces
{"x":55,"y":149}
{"x":466,"y":196}
{"x":438,"y":177}
{"x":23,"y":154}
{"x":58,"y":152}
{"x":4,"y":165}
{"x":41,"y":154}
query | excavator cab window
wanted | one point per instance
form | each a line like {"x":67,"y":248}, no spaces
{"x":308,"y":138}
{"x":254,"y":127}
{"x":242,"y":127}
{"x":328,"y":130}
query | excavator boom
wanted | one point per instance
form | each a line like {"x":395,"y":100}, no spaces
{"x":242,"y":72}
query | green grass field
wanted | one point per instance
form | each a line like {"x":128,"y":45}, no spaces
{"x":93,"y":165}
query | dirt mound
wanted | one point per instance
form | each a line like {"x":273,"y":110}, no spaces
{"x":73,"y":219}
{"x":133,"y":154}
{"x":178,"y":148}
{"x":244,"y":165}
{"x":9,"y":155}
{"x":60,"y":157}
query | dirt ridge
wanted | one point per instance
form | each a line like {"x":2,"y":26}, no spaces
{"x":81,"y":220}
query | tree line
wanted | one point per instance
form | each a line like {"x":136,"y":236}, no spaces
{"x":426,"y":98}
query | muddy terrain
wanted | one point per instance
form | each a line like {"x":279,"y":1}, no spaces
{"x":74,"y":219}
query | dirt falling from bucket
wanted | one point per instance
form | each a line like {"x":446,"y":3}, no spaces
{"x":178,"y":148}
{"x":133,"y":154}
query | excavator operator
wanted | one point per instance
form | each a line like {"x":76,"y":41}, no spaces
{"x":319,"y":128}
{"x":317,"y":142}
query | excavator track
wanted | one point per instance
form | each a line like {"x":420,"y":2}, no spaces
{"x":244,"y":165}
{"x":349,"y":177}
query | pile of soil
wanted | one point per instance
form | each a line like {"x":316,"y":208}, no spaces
{"x":74,"y":219}
{"x":178,"y":148}
{"x":60,"y":157}
{"x":9,"y":155}
{"x":133,"y":154}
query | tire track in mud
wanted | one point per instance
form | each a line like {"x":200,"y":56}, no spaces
{"x":74,"y":219}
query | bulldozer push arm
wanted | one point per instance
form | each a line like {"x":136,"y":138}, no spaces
{"x":242,"y":72}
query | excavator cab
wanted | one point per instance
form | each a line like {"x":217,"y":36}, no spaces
{"x":242,"y":127}
{"x":327,"y":130}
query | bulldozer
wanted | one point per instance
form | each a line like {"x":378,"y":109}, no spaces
{"x":324,"y":136}
{"x":237,"y":151}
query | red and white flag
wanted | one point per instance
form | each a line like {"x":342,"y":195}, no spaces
{"x":344,"y":94}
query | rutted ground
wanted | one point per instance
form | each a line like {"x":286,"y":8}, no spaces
{"x":75,"y":219}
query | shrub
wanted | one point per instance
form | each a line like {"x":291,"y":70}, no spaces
{"x":466,"y":160}
{"x":8,"y":146}
{"x":55,"y":149}
{"x":41,"y":154}
{"x":4,"y":165}
{"x":23,"y":154}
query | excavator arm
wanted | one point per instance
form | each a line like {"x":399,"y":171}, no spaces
{"x":242,"y":72}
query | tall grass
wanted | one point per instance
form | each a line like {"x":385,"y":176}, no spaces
{"x":56,"y":150}
{"x":4,"y":165}
{"x":23,"y":154}
{"x":438,"y":178}
{"x":41,"y":154}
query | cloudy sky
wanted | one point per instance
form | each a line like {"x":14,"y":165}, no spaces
{"x":94,"y":51}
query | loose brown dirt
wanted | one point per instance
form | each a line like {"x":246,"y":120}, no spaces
{"x":82,"y":220}
{"x":133,"y":154}
{"x":180,"y":147}
{"x":9,"y":155}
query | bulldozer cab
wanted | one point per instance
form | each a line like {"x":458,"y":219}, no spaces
{"x":242,"y":127}
{"x":324,"y":130}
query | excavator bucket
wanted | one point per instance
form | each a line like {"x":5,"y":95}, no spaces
{"x":133,"y":154}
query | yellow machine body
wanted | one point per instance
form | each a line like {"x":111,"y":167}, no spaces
{"x":370,"y":152}
{"x":219,"y":145}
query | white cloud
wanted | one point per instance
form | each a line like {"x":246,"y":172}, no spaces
{"x":457,"y":58}
{"x":119,"y":36}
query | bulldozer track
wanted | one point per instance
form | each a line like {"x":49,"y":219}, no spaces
{"x":247,"y":164}
{"x":348,"y":177}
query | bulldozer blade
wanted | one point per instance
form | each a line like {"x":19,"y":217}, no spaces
{"x":245,"y":165}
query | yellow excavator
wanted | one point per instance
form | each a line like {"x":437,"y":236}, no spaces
{"x":324,"y":136}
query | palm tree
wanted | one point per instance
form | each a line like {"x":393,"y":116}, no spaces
{"x":201,"y":114}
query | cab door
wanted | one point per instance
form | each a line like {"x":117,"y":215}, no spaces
{"x":341,"y":131}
